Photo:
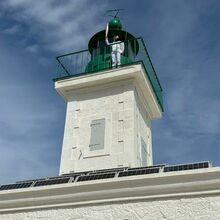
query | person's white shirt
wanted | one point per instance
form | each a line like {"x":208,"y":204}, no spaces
{"x":117,"y":46}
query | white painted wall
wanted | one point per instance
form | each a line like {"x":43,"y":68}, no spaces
{"x":119,"y":104}
{"x":143,"y":126}
{"x":183,"y":195}
{"x":114,"y":103}
{"x":127,"y":117}
{"x":207,"y":208}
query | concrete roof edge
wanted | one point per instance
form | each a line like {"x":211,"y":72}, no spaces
{"x":147,"y":187}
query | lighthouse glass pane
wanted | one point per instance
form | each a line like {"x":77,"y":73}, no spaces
{"x":97,"y":134}
{"x":143,"y":153}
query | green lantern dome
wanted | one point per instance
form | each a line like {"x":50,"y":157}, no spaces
{"x":101,"y":56}
{"x":115,"y":24}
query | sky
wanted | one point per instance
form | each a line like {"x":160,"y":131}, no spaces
{"x":182,"y":38}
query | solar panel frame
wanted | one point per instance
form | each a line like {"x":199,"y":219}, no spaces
{"x":104,"y":174}
{"x":47,"y":182}
{"x":76,"y":174}
{"x":15,"y":186}
{"x":92,"y":172}
{"x":147,"y":167}
{"x":108,"y":170}
{"x":96,"y":176}
{"x":189,"y":166}
{"x":32,"y":180}
{"x":136,"y":172}
{"x":59,"y":177}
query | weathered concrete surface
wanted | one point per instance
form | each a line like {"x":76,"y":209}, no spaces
{"x":173,"y":209}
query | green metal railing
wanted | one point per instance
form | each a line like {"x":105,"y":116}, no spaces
{"x":99,"y":59}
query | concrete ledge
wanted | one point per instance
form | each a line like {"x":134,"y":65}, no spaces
{"x":147,"y":187}
{"x":135,"y":72}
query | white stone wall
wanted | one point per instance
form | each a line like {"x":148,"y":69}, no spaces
{"x":124,"y":98}
{"x":114,"y":103}
{"x":171,"y":209}
{"x":143,"y":127}
{"x":187,"y":195}
{"x":126,"y":122}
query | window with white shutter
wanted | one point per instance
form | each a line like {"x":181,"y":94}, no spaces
{"x":97,"y":134}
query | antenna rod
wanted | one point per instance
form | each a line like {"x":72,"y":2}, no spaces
{"x":113,"y":13}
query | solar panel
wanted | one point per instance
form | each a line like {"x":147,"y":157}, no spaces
{"x":32,"y":180}
{"x":73,"y":174}
{"x":138,"y":171}
{"x":108,"y":170}
{"x":96,"y":176}
{"x":16,"y":186}
{"x":148,"y":167}
{"x":52,"y":181}
{"x":58,"y":177}
{"x":104,"y":174}
{"x":191,"y":166}
{"x":93,"y":172}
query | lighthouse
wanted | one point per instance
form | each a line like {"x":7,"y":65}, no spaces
{"x":110,"y":107}
{"x":106,"y":172}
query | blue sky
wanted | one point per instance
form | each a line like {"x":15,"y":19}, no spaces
{"x":183,"y":39}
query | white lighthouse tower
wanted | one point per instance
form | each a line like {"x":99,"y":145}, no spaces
{"x":109,"y":110}
{"x":113,"y":94}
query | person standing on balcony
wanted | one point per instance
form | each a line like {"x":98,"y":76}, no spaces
{"x":117,"y":48}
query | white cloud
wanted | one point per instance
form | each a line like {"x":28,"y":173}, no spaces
{"x":12,"y":30}
{"x":32,"y":48}
{"x":60,"y":27}
{"x":31,"y":125}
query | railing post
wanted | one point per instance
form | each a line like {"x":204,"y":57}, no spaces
{"x":82,"y":62}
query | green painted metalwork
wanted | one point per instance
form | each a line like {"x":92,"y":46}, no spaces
{"x":101,"y":53}
{"x":98,"y":40}
{"x":101,"y":56}
{"x":98,"y":58}
{"x":115,"y":24}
